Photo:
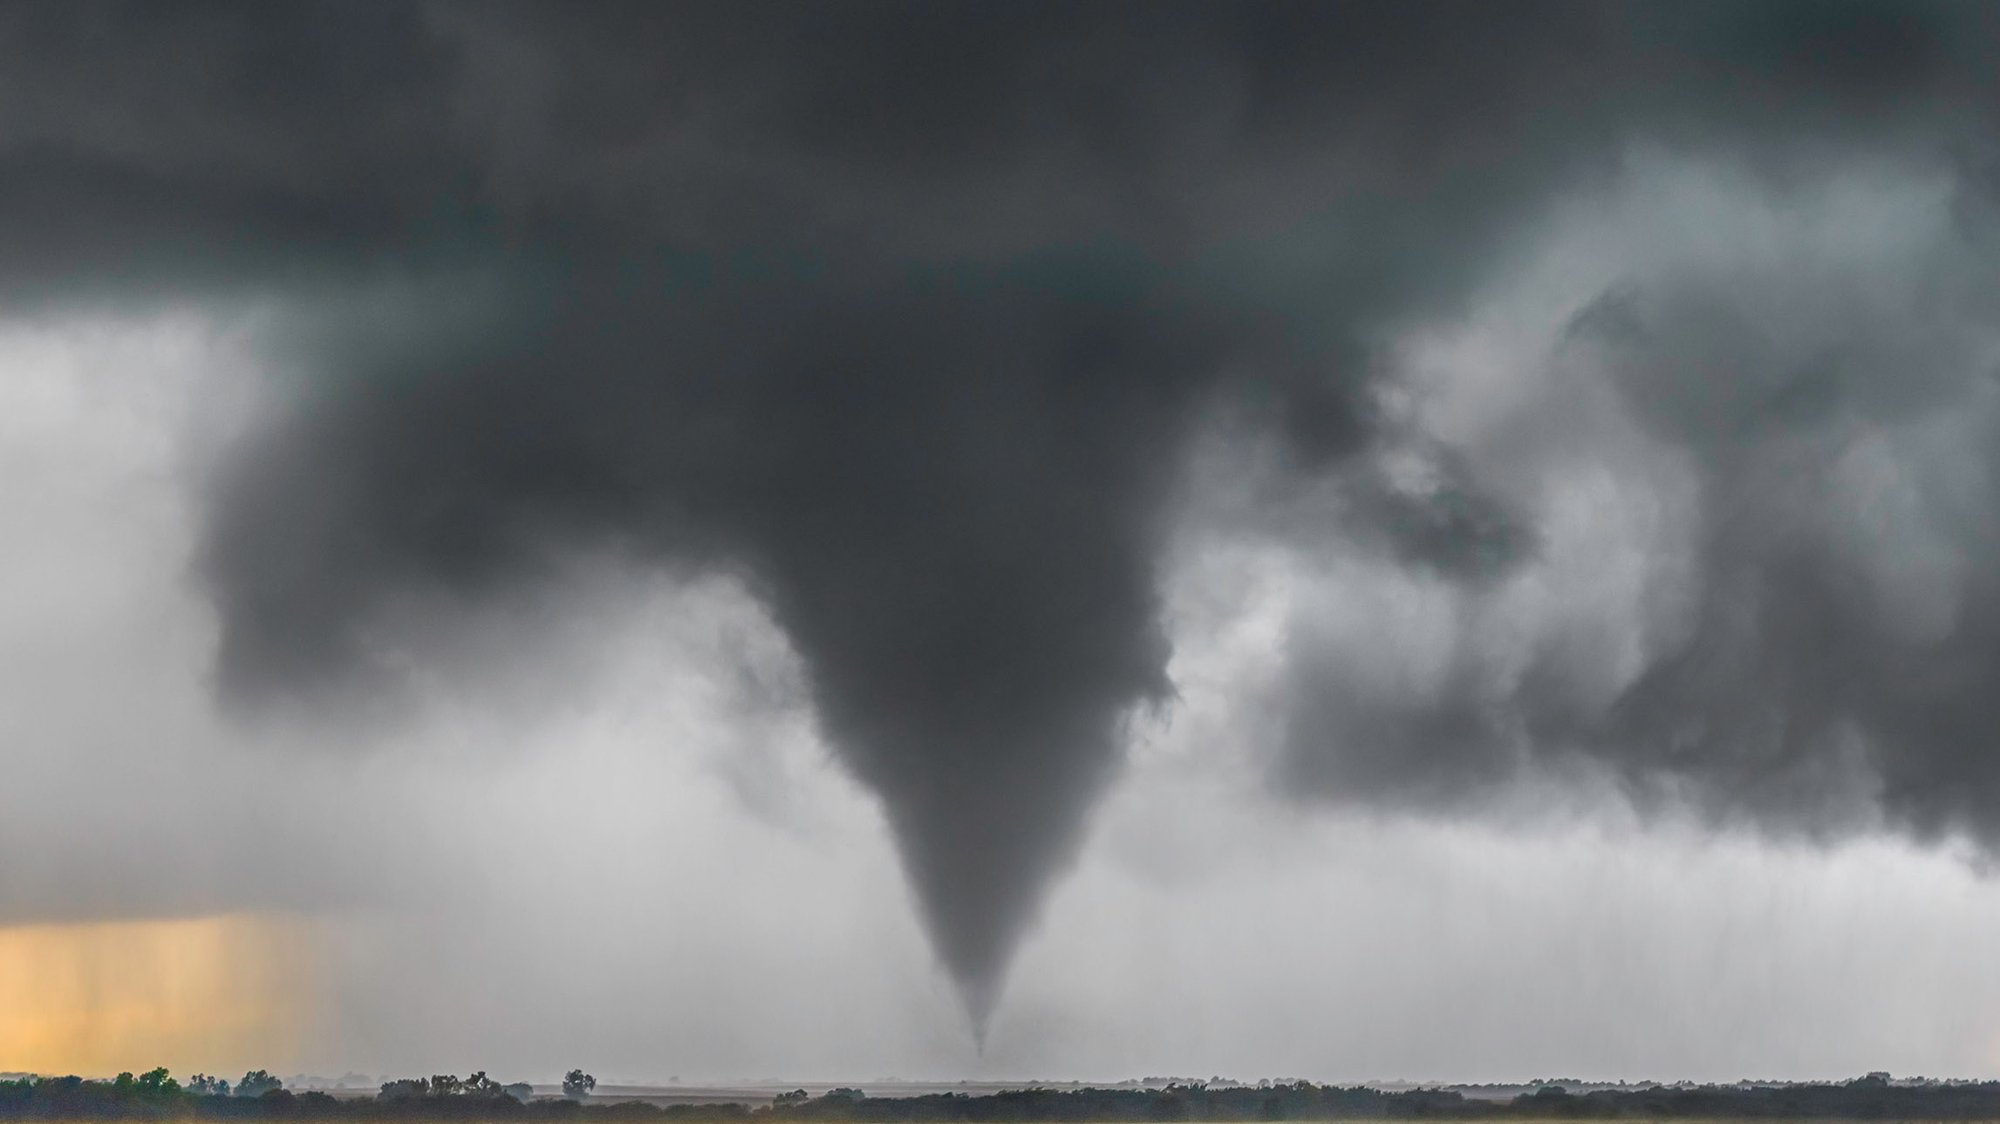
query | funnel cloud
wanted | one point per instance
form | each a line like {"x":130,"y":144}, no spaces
{"x":914,"y":317}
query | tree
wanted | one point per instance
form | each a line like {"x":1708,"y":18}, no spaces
{"x":577,"y":1083}
{"x":256,"y":1083}
{"x":795,"y":1097}
{"x":404,"y":1088}
{"x":204,"y":1085}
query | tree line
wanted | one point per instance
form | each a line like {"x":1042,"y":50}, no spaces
{"x":156,"y":1095}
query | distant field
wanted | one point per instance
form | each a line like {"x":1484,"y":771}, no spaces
{"x":763,"y":1097}
{"x":1876,"y":1098}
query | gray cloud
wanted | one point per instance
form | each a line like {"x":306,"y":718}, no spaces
{"x":1790,"y":421}
{"x":907,"y":316}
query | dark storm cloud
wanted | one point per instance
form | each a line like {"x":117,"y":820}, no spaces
{"x":905,"y":313}
{"x":1804,"y":659}
{"x":1831,"y":413}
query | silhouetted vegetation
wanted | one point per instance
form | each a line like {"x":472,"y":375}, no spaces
{"x":256,"y":1083}
{"x":155,"y":1095}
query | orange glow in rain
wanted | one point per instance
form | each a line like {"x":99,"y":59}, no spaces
{"x":208,"y":993}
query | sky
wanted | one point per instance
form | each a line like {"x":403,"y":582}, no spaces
{"x":828,"y":542}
